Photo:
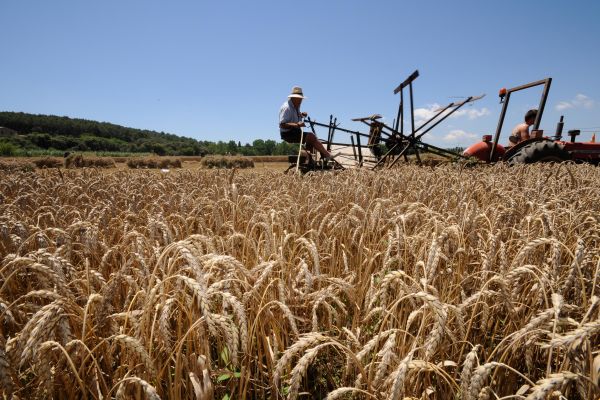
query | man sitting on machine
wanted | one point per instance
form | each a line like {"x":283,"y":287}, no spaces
{"x":521,"y":131}
{"x":291,"y":124}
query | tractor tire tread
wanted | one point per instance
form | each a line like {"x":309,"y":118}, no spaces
{"x":544,"y":151}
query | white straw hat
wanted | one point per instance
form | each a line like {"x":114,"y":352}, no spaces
{"x":297,"y":92}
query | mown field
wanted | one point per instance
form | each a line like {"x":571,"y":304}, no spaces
{"x":416,"y":283}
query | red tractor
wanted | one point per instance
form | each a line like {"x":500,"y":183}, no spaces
{"x":539,"y":148}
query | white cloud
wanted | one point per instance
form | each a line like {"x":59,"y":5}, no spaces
{"x":471,"y":113}
{"x":563,"y":105}
{"x":425,"y":113}
{"x":584,"y":101}
{"x":580,"y":101}
{"x":458,"y":134}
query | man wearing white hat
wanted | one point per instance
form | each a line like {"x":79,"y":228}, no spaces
{"x":291,"y":124}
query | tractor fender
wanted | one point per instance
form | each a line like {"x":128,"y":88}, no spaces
{"x":483,"y":149}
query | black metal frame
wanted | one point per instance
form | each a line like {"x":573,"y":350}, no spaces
{"x":401,"y":143}
{"x":505,"y":98}
{"x":413,"y":141}
{"x":400,"y":117}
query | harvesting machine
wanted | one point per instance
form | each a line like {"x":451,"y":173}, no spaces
{"x":384,"y":145}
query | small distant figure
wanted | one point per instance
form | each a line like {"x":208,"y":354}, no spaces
{"x":521,"y":131}
{"x":291,"y":124}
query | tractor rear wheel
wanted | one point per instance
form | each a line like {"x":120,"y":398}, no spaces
{"x":544,"y":151}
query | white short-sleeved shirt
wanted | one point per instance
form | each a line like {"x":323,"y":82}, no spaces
{"x":288,"y":113}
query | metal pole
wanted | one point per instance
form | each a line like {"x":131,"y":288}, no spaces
{"x":538,"y":118}
{"x":412,"y":110}
{"x":401,"y":113}
{"x":416,"y":149}
{"x":358,"y":145}
{"x":329,"y":133}
{"x":402,"y":154}
{"x":434,"y":117}
{"x":315,"y":123}
{"x":499,"y":128}
{"x":340,"y":144}
{"x":408,"y":81}
{"x":438,"y":150}
{"x":299,"y":150}
{"x":529,"y":85}
{"x":383,"y":158}
{"x":333,"y":128}
{"x":442,"y":119}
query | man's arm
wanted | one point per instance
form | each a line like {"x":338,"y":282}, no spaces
{"x":291,"y":125}
{"x":285,"y":119}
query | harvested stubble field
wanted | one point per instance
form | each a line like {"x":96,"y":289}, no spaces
{"x":429,"y":283}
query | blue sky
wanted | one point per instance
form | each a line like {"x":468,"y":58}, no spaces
{"x":221,"y":70}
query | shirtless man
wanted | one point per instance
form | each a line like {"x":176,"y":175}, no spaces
{"x":521,"y":131}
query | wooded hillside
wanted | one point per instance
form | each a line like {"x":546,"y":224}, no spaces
{"x":22,"y":134}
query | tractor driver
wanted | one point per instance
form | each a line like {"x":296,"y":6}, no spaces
{"x":521,"y":131}
{"x":291,"y":124}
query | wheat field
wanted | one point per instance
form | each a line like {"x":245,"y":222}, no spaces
{"x":415,"y":283}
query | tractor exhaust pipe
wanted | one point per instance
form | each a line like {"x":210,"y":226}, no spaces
{"x":559,"y":128}
{"x":574,"y":133}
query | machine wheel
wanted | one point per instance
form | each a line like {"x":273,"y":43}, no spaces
{"x":544,"y":151}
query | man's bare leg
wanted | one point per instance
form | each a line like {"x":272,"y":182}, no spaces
{"x":312,"y":140}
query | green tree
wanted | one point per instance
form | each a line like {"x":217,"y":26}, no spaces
{"x":42,"y":140}
{"x":232,"y":147}
{"x":247,"y":150}
{"x":285,"y":148}
{"x":7,"y":149}
{"x":63,"y":142}
{"x":259,"y":147}
{"x":187,"y":151}
{"x":159,"y":149}
{"x":65,"y":133}
{"x":270,"y":146}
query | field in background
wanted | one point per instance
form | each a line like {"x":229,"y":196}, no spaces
{"x":433,"y":283}
{"x":278,"y":163}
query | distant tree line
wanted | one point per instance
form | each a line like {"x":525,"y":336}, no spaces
{"x":258,"y":147}
{"x":29,"y":132}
